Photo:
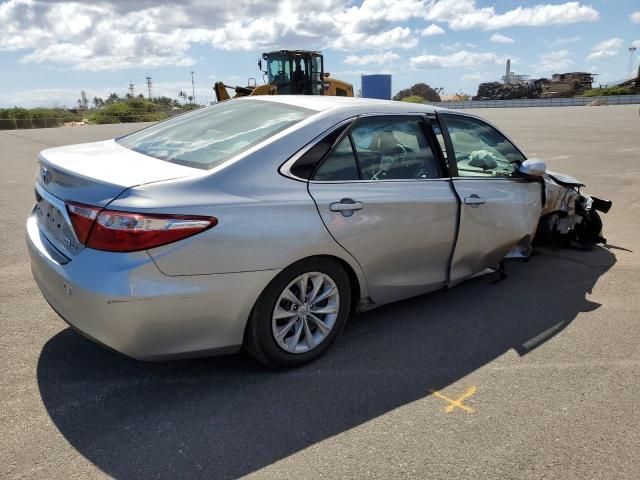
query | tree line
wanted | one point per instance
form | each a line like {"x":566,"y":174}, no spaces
{"x":99,"y":102}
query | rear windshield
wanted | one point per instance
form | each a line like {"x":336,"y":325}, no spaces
{"x":207,"y":137}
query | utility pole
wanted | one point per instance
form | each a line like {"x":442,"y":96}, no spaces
{"x":632,"y":51}
{"x":131,"y":85}
{"x":148,"y":77}
{"x":193,"y":88}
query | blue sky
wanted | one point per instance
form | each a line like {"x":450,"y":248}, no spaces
{"x":51,"y":50}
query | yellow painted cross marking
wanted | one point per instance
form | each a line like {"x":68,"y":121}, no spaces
{"x":457,"y":402}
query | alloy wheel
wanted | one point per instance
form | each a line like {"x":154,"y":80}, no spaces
{"x":305,"y":312}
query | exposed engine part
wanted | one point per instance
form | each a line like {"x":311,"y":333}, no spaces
{"x":569,"y":218}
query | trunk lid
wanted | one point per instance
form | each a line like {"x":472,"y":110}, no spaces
{"x":94,"y":174}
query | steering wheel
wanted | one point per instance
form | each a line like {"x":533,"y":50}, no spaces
{"x":403,"y":152}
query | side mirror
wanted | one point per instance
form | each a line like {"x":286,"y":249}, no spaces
{"x":534,"y":167}
{"x":260,"y":65}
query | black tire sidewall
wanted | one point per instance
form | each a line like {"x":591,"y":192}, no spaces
{"x":264,"y":346}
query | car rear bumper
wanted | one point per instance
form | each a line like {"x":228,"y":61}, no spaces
{"x":124,"y":302}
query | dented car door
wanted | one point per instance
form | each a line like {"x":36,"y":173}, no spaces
{"x":499,"y":208}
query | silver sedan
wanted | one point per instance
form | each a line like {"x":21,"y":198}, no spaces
{"x":265,"y":222}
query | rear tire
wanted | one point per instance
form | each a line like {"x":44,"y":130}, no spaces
{"x":287,"y":328}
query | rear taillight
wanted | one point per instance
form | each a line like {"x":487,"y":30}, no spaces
{"x":82,"y":217}
{"x":128,"y":232}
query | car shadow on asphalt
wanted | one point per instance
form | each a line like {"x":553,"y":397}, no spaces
{"x":224,"y":417}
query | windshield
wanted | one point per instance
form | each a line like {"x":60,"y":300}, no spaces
{"x":207,"y":137}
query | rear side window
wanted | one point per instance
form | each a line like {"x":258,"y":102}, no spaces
{"x":303,"y":168}
{"x":208,"y":137}
{"x":374,"y":148}
{"x":340,"y":164}
{"x":394,"y":148}
{"x":437,"y":131}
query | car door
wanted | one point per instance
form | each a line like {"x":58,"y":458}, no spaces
{"x":382,"y":196}
{"x":500,"y":208}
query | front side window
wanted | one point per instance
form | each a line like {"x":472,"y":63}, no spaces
{"x":279,"y":72}
{"x":208,"y":137}
{"x":316,"y":75}
{"x":480,"y":150}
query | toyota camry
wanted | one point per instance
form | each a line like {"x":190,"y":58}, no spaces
{"x":266,"y":222}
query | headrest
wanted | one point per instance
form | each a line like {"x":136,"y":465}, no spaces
{"x":383,"y":142}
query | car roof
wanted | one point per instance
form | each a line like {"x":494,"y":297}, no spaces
{"x":362,"y":105}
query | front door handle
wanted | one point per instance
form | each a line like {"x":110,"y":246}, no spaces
{"x":474,"y":200}
{"x":346,"y":206}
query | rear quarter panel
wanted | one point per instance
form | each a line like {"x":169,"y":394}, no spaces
{"x":265,"y":221}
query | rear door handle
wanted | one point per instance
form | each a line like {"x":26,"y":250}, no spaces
{"x":474,"y":200}
{"x":346,"y":206}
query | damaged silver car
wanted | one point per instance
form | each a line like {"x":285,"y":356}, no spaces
{"x":265,"y":222}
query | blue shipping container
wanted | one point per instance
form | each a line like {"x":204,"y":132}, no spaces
{"x":376,"y":86}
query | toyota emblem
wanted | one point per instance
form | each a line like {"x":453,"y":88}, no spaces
{"x":45,"y":175}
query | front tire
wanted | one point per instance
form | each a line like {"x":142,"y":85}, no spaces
{"x":300,"y":314}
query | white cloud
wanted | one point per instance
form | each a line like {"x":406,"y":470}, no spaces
{"x":431,"y":30}
{"x":473,"y":77}
{"x":463,"y":58}
{"x":552,"y":62}
{"x":561,"y":41}
{"x":499,"y":38}
{"x":113,"y":34}
{"x":375,"y":58}
{"x":398,"y":37}
{"x":357,"y":73}
{"x":635,"y":17}
{"x":464,"y":14}
{"x":607,"y":48}
{"x":635,"y":43}
{"x":453,"y":47}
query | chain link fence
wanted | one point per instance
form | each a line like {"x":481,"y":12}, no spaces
{"x":29,"y":121}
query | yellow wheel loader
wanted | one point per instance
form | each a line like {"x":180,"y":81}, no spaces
{"x":290,"y":72}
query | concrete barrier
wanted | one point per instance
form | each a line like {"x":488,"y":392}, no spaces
{"x":541,"y":102}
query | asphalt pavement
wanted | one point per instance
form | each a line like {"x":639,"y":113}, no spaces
{"x":537,"y":376}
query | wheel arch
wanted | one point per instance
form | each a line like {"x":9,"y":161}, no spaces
{"x":354,"y":282}
{"x":357,"y":288}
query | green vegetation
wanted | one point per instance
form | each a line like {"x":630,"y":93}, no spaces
{"x":128,"y":111}
{"x":113,"y":109}
{"x":16,"y":117}
{"x":421,"y":90}
{"x":413,"y":99}
{"x":597,"y":92}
